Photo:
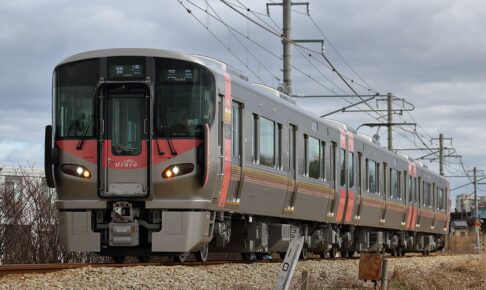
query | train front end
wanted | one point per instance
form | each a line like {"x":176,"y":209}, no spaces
{"x":129,"y":152}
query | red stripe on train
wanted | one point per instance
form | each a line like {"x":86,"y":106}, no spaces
{"x":342,"y":203}
{"x":409,"y":217}
{"x":89,"y":151}
{"x":349,"y":210}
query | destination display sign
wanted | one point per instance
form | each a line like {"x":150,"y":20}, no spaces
{"x":179,"y":75}
{"x":126,"y":71}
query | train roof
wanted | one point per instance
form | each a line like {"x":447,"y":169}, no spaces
{"x":220,"y":66}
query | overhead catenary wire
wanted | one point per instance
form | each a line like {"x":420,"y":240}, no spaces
{"x":244,"y":46}
{"x":344,"y":78}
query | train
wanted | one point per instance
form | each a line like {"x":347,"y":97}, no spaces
{"x":157,"y":152}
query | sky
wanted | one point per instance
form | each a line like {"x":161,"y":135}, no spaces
{"x":432,"y":53}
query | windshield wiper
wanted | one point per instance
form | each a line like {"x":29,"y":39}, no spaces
{"x":171,"y":146}
{"x":85,"y":133}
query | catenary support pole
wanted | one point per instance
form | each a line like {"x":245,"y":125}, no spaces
{"x":390,"y":120}
{"x":441,"y":154}
{"x":476,"y":218}
{"x":286,"y":42}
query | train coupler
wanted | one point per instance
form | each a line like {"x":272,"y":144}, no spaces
{"x":123,"y":228}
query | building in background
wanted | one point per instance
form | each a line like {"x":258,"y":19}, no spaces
{"x":465,"y":203}
{"x":482,"y":207}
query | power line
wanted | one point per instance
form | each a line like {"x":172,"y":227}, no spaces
{"x":339,"y":54}
{"x":242,"y":44}
{"x":344,"y":78}
{"x":221,"y":42}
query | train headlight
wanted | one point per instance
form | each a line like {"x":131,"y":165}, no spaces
{"x":177,"y":170}
{"x":76,"y":170}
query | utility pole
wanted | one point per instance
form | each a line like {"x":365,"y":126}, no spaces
{"x":441,"y":154}
{"x":477,"y":223}
{"x":287,"y":41}
{"x":389,"y":102}
{"x":287,"y":77}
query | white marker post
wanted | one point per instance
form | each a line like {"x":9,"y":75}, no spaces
{"x":290,"y":261}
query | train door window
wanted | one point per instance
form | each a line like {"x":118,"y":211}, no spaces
{"x":400,"y":187}
{"x":235,"y":133}
{"x":410,"y":189}
{"x":278,"y":145}
{"x":267,"y":142}
{"x":440,"y":199}
{"x":351,"y":169}
{"x":377,"y":177}
{"x":360,"y":170}
{"x":434,"y":196}
{"x":395,"y":185}
{"x":254,"y":129}
{"x":332,"y":173}
{"x":415,"y":190}
{"x":372,"y":176}
{"x":405,"y":186}
{"x":313,"y":158}
{"x":292,"y":146}
{"x":385,"y":180}
{"x":342,"y":163}
{"x":426,"y":194}
{"x":420,"y":192}
{"x":323,"y":160}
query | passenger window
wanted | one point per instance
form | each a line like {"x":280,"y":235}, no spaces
{"x":267,"y":142}
{"x":313,"y":158}
{"x":372,"y":176}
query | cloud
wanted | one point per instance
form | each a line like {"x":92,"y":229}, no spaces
{"x":431,"y":53}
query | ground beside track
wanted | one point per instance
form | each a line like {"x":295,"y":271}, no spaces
{"x":433,"y":272}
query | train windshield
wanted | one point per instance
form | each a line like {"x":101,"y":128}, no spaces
{"x":184,"y":98}
{"x":75,"y":85}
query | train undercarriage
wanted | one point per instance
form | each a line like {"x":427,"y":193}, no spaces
{"x":129,"y":229}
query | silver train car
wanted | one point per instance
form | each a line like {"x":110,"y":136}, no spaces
{"x":155,"y":152}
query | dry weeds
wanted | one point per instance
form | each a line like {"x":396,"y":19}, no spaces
{"x":457,"y":273}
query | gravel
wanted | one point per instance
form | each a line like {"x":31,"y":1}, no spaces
{"x":323,"y":274}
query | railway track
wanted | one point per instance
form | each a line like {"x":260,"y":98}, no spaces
{"x":47,"y":268}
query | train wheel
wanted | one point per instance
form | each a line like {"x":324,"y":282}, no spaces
{"x":333,"y":253}
{"x":143,"y":259}
{"x":202,"y":254}
{"x":304,"y":253}
{"x":118,"y":259}
{"x":344,"y":254}
{"x":181,"y":258}
{"x":400,"y":251}
{"x":248,"y":256}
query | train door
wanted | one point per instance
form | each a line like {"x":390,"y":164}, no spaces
{"x":351,"y":190}
{"x":236,"y":142}
{"x":224,"y":144}
{"x":292,"y":174}
{"x":124,"y":146}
